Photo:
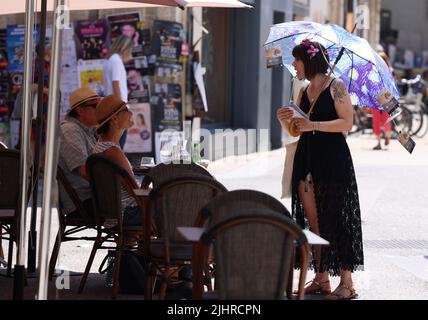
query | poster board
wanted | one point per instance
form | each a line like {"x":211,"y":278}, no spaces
{"x":139,"y":138}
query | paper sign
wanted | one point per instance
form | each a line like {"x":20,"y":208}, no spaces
{"x":388,"y":101}
{"x":273,"y":57}
{"x":297,"y":112}
{"x":407,"y":142}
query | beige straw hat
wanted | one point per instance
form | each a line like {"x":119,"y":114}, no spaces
{"x":82,"y":95}
{"x":107,"y":108}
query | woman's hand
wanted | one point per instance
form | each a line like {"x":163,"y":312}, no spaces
{"x":303,"y":125}
{"x":284,"y":115}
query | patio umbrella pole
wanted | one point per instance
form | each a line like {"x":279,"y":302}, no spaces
{"x":32,"y":235}
{"x":51,"y":157}
{"x":19,"y":273}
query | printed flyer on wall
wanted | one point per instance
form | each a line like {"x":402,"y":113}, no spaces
{"x":139,"y":139}
{"x":92,"y":39}
{"x":166,"y":102}
{"x":90,"y":74}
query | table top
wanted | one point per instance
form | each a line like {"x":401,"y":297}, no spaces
{"x":194,"y":234}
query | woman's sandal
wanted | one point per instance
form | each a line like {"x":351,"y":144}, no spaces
{"x":316,"y":287}
{"x":340,"y":293}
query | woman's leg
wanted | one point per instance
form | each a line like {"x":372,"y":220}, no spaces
{"x":376,"y":119}
{"x":309,"y":205}
{"x":345,"y":290}
{"x":386,"y":127}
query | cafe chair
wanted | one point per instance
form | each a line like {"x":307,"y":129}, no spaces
{"x":70,"y":225}
{"x":163,"y":172}
{"x":176,"y":202}
{"x":9,"y":200}
{"x":253,"y":253}
{"x":234,"y":203}
{"x":105,"y":179}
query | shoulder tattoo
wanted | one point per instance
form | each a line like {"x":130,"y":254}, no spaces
{"x":339,"y":91}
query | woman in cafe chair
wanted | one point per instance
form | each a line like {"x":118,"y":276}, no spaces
{"x":114,"y":117}
{"x":324,"y":187}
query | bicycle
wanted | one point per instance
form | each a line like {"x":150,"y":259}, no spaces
{"x":412,"y":100}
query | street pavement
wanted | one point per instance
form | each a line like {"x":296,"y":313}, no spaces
{"x":394,"y":207}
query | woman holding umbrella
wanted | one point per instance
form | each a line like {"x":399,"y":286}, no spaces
{"x":324,"y":187}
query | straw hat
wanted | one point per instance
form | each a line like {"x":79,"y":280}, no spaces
{"x":82,"y":95}
{"x":107,"y":108}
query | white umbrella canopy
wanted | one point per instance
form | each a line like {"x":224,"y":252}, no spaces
{"x":195,"y":3}
{"x":18,"y":6}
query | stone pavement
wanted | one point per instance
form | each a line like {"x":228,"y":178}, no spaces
{"x":393,"y":196}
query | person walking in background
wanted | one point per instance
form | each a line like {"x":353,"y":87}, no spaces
{"x":380,"y":118}
{"x":114,"y":71}
{"x":324,"y":187}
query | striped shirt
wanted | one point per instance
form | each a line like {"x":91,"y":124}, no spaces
{"x":127,"y":199}
{"x":77,"y":142}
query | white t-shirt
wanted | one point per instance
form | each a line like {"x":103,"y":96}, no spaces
{"x":114,"y":70}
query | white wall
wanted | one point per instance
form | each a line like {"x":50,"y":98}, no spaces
{"x":319,"y":11}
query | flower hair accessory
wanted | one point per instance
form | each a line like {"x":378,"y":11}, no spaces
{"x":312,"y":49}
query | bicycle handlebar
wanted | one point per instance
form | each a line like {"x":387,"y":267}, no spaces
{"x":411,"y":81}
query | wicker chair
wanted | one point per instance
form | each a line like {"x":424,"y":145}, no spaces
{"x":230,"y":204}
{"x":69,"y":226}
{"x":235,"y":202}
{"x":253,"y":254}
{"x":163,"y":172}
{"x":176,"y":202}
{"x":9,"y":200}
{"x":106,"y":179}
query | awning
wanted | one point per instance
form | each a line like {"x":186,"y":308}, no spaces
{"x":195,"y":3}
{"x":18,"y":6}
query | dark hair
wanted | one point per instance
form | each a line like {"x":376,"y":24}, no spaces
{"x":104,"y":128}
{"x":73,"y":113}
{"x":317,"y":64}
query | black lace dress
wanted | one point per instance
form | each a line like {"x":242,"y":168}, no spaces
{"x":326,"y":157}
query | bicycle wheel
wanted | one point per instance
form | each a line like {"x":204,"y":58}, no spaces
{"x":403,"y":123}
{"x":417,"y":118}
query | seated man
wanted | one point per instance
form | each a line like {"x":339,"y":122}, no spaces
{"x":78,"y":138}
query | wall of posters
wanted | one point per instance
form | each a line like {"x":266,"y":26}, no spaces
{"x":167,"y":41}
{"x":138,"y":86}
{"x":130,"y":24}
{"x":139,"y":139}
{"x":90,"y":73}
{"x":92,"y":39}
{"x":166,"y":101}
{"x":69,"y":76}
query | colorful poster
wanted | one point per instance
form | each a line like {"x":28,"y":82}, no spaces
{"x":139,"y":139}
{"x":166,"y":101}
{"x":92,"y":39}
{"x":167,"y":41}
{"x":90,"y":73}
{"x":130,"y":24}
{"x":15,"y":48}
{"x":169,"y":72}
{"x":138,"y":86}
